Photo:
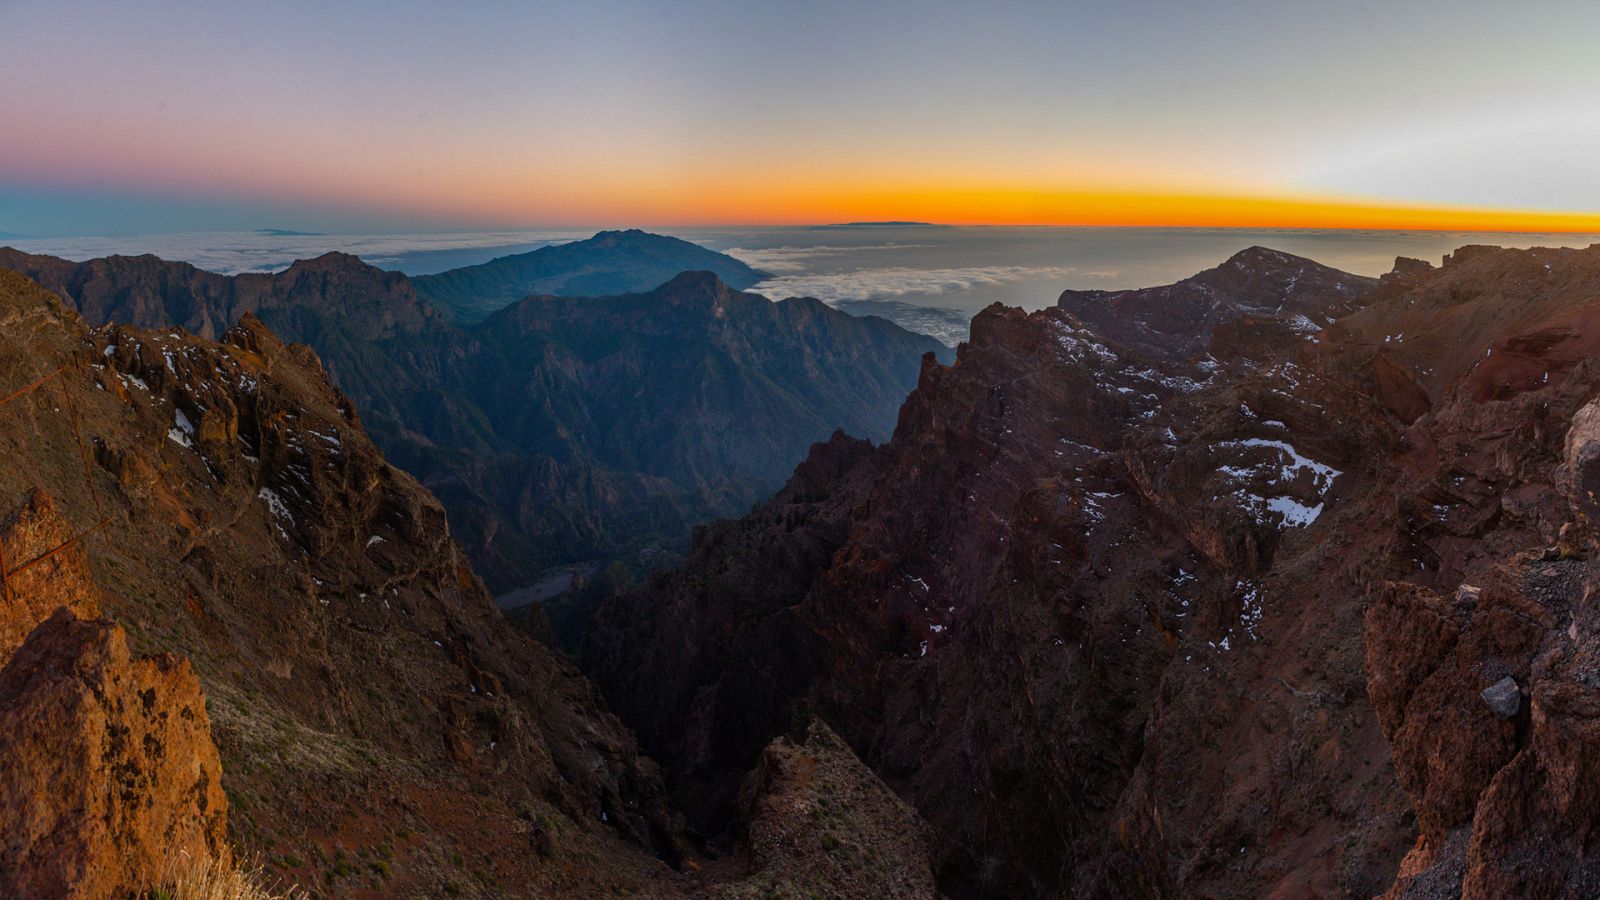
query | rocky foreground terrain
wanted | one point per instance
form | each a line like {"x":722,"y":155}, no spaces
{"x":1274,"y":582}
{"x":272,"y":650}
{"x":1283,"y":589}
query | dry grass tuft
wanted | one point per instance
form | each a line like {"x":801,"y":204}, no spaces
{"x":187,"y":878}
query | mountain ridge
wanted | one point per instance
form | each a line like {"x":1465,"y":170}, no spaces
{"x":379,"y":729}
{"x":1256,"y":611}
{"x":610,"y":263}
{"x":516,"y":423}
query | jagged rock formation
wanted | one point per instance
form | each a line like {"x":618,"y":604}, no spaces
{"x":110,"y":771}
{"x":560,"y":430}
{"x":816,"y":822}
{"x":58,"y":581}
{"x":1143,"y":598}
{"x":610,"y":263}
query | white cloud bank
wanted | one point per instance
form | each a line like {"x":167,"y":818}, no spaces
{"x":796,"y":259}
{"x":897,"y":281}
{"x":232,"y":252}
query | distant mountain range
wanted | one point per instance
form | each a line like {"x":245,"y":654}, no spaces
{"x":560,"y":429}
{"x":886,"y":224}
{"x":611,"y":262}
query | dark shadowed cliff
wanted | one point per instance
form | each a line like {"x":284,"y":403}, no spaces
{"x":1281,"y":589}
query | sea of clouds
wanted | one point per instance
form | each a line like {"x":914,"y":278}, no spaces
{"x":899,"y":281}
{"x":233,"y":252}
{"x":826,"y":273}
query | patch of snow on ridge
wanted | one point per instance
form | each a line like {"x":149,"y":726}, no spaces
{"x":1303,"y":325}
{"x":1295,"y":514}
{"x":1321,"y":473}
{"x":1289,"y":468}
{"x":280,"y":510}
{"x":182,"y":430}
{"x":1080,"y":343}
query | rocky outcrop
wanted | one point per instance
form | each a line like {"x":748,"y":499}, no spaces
{"x":46,"y":571}
{"x":110,"y":771}
{"x":1580,"y":474}
{"x":816,"y":822}
{"x":1513,"y":664}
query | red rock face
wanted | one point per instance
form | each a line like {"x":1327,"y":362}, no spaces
{"x":36,"y":531}
{"x":110,"y":771}
{"x":815,"y":821}
{"x":1142,"y":600}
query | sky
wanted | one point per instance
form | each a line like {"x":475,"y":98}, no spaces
{"x":168,"y":115}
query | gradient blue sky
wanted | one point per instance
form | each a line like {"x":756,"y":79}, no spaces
{"x":169,"y":115}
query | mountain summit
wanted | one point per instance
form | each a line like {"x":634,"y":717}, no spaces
{"x":1175,"y":321}
{"x":611,"y":262}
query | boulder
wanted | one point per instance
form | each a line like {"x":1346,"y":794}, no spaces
{"x":110,"y":769}
{"x":1581,"y":466}
{"x":1503,"y":697}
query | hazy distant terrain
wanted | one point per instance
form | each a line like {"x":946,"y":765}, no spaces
{"x":962,"y":268}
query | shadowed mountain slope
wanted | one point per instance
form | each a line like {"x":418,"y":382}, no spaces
{"x":379,"y":730}
{"x":1229,"y":606}
{"x":561,"y":430}
{"x":611,"y":262}
{"x":1175,"y":321}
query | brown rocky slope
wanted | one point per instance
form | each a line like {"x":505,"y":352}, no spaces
{"x":1145,"y":618}
{"x":561,"y":430}
{"x":111,"y":777}
{"x":380,"y":729}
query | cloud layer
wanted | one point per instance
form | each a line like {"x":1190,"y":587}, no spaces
{"x":799,"y":259}
{"x":898,"y":281}
{"x":232,"y":252}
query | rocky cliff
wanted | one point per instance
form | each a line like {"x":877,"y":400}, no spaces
{"x":379,"y":727}
{"x":111,"y":777}
{"x":1165,"y":596}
